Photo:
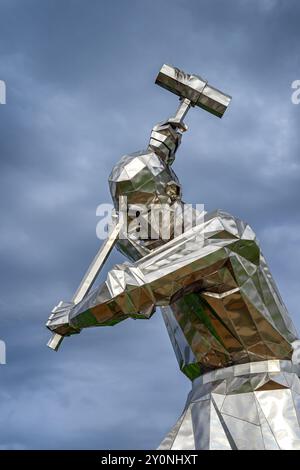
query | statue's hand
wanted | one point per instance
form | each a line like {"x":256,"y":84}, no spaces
{"x":58,"y":321}
{"x":164,"y":141}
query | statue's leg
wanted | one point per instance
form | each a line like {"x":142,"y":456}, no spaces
{"x":254,"y":406}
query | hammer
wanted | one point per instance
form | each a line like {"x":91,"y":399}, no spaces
{"x":192,"y":91}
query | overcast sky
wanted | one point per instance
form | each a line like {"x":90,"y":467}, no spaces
{"x":80,"y":94}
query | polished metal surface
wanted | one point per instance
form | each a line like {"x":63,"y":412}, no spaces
{"x":194,"y":88}
{"x":230,"y":330}
{"x":253,"y":406}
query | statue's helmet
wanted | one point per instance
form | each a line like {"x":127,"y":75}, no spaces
{"x":144,"y":178}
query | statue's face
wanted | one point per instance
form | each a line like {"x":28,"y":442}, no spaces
{"x":144,"y":179}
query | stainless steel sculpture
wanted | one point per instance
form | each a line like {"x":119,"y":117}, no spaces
{"x":228,"y":325}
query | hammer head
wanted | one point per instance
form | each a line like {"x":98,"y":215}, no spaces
{"x":194,"y":88}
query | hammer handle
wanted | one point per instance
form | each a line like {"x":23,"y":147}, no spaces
{"x":181,"y":112}
{"x":90,"y":277}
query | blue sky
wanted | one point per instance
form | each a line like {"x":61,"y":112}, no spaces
{"x":80,"y":94}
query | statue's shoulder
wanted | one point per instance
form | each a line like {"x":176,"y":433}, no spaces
{"x":230,"y":223}
{"x":220,"y":214}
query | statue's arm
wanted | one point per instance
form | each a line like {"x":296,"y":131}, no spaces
{"x":134,"y":290}
{"x":121,"y":296}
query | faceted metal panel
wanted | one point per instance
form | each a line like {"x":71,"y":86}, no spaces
{"x":193,"y":87}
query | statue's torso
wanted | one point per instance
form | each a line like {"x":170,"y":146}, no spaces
{"x":234,"y":316}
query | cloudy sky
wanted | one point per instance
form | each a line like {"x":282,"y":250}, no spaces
{"x":80,"y":94}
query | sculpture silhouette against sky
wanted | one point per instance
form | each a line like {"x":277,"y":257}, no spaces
{"x":230,"y":330}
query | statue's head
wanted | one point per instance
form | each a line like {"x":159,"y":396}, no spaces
{"x":144,"y":178}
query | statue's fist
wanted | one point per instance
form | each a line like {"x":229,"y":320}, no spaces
{"x":58,"y":321}
{"x":165,"y":140}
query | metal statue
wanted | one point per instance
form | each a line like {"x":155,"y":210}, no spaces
{"x":230,"y":330}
